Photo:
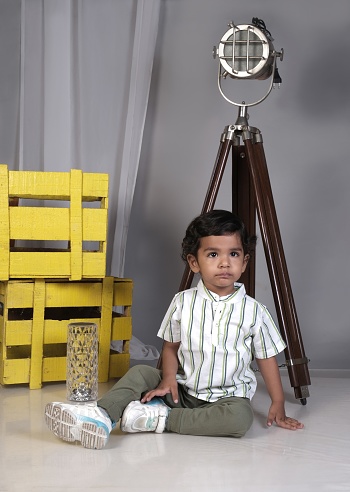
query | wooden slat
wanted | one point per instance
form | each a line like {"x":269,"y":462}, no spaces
{"x":76,"y":224}
{"x":55,"y":185}
{"x":29,"y":264}
{"x":105,"y":328}
{"x":36,"y":357}
{"x":4,"y":224}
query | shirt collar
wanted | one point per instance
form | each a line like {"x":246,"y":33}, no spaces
{"x":236,"y":296}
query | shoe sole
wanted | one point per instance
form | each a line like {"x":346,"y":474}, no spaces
{"x":65,"y":425}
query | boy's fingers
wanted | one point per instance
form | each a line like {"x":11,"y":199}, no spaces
{"x":175,"y":396}
{"x":289,"y":423}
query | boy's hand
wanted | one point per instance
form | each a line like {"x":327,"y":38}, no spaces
{"x":277,"y":414}
{"x":270,"y":373}
{"x":163,"y":389}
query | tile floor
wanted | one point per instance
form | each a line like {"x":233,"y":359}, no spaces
{"x":316,"y":458}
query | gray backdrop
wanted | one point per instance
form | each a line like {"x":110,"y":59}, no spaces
{"x":305,"y":126}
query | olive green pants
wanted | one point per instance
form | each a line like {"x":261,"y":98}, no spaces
{"x":225,"y":417}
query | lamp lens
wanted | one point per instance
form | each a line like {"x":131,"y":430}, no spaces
{"x":244,"y":52}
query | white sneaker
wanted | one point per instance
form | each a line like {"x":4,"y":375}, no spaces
{"x":86,"y":423}
{"x":145,"y":417}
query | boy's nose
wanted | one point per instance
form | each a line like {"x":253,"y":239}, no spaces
{"x":225,"y":263}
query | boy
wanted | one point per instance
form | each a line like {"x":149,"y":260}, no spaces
{"x":212,"y":330}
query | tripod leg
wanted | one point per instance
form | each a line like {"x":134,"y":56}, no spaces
{"x":286,"y":312}
{"x":244,"y":205}
{"x":212,"y":192}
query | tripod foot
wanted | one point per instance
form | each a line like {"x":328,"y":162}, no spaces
{"x":301,"y":393}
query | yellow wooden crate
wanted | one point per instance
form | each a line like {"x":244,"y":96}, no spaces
{"x":58,"y":241}
{"x":34,"y":322}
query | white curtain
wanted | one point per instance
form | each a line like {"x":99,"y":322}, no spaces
{"x":85,"y":75}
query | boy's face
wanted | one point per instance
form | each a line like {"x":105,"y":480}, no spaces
{"x":220,"y":262}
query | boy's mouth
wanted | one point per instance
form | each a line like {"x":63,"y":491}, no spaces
{"x":224,"y":275}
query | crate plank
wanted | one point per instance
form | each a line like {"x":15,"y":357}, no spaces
{"x":37,"y":342}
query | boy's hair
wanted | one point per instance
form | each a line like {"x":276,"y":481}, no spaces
{"x":215,"y":223}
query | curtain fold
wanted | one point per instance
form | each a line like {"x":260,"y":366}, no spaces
{"x":85,"y":75}
{"x":146,"y":29}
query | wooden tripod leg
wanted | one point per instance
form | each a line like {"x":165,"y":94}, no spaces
{"x":277,"y":267}
{"x":244,"y":205}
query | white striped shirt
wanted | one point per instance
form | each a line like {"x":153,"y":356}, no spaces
{"x":219,"y":336}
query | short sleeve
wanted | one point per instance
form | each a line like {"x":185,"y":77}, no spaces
{"x":267,"y":340}
{"x":170,"y":329}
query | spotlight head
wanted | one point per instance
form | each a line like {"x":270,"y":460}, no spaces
{"x":246,"y":52}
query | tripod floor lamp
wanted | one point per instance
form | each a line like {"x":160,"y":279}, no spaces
{"x":246,"y":52}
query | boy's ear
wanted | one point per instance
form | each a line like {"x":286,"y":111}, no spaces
{"x":192,"y":263}
{"x":245,"y":262}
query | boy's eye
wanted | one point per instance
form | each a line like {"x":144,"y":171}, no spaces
{"x":234,"y":253}
{"x":212,"y":255}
